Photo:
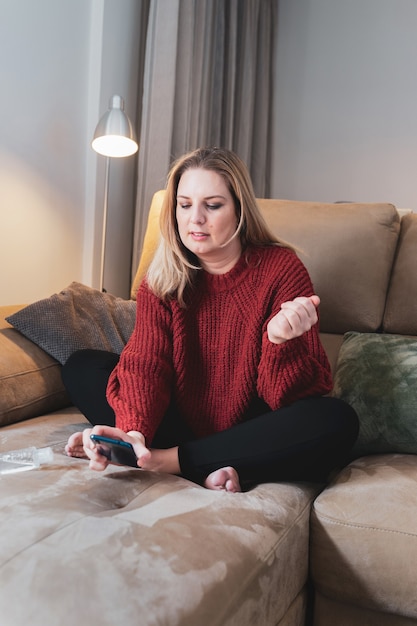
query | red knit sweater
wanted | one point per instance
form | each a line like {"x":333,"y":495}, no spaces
{"x":214,"y":357}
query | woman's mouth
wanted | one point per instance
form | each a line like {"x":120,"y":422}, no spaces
{"x":198,"y":236}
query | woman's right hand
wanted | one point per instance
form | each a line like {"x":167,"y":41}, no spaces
{"x":98,"y":461}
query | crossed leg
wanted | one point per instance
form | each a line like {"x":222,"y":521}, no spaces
{"x":222,"y":479}
{"x":304,"y":441}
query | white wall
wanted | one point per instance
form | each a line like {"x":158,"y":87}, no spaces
{"x":60,"y":64}
{"x":43,"y":47}
{"x":346,"y":101}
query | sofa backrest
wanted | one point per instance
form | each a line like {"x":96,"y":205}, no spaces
{"x":401,"y":309}
{"x":348,"y":249}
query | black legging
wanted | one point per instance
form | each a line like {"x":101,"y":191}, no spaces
{"x":301,"y":442}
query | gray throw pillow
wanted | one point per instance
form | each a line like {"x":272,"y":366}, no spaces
{"x":76,"y":318}
{"x":377,"y":375}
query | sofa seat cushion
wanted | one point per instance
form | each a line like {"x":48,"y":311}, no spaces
{"x":328,"y":612}
{"x":138,"y":547}
{"x":364,"y":536}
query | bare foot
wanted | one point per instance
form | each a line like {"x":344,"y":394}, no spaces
{"x":75,"y":446}
{"x":224,"y":479}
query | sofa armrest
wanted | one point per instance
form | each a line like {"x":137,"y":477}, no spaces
{"x":30,"y":380}
{"x":5,"y":311}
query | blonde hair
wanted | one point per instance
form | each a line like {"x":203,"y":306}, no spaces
{"x":174,"y":267}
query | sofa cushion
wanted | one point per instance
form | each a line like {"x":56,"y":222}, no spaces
{"x":377,"y":375}
{"x":76,"y":318}
{"x":150,"y":242}
{"x":30,"y":379}
{"x":364,"y":542}
{"x":401,"y":310}
{"x":339,"y":243}
{"x":148,"y":548}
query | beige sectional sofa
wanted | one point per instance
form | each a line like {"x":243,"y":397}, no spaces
{"x":132,"y":547}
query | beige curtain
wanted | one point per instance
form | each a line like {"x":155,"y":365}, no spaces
{"x":207,"y":81}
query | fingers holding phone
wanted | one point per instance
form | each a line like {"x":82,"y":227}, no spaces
{"x":116,"y":451}
{"x":137,"y":440}
{"x":105,"y":444}
{"x":98,"y":461}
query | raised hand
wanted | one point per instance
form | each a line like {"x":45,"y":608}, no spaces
{"x":294,"y":319}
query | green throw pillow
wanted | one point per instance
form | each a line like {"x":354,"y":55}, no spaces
{"x":377,"y":375}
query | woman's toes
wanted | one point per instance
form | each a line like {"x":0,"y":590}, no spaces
{"x":224,"y":479}
{"x":75,"y":446}
{"x":76,"y":451}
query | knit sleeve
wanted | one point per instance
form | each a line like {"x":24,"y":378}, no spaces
{"x":299,"y":367}
{"x":139,"y":388}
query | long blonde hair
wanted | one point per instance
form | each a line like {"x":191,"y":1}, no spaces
{"x":174,"y":267}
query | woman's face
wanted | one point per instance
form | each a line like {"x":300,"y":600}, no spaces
{"x":206,"y":218}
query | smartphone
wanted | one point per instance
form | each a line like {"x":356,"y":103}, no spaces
{"x":115,"y":450}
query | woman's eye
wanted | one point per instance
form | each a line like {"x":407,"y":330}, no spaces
{"x":210,"y":206}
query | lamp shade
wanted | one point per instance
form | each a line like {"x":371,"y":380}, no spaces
{"x":114,"y":135}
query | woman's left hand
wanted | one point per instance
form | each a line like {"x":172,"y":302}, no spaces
{"x":294,"y":319}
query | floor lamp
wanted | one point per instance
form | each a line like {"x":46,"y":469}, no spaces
{"x":114,"y":137}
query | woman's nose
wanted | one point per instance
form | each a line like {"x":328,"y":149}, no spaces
{"x":197,"y":215}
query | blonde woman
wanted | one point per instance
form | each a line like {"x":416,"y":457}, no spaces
{"x":223,"y":378}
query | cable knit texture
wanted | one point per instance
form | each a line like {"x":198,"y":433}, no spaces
{"x":213,"y":358}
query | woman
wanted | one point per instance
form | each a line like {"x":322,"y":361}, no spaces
{"x":223,"y":377}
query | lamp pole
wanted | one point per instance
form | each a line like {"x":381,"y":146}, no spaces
{"x":104,"y":231}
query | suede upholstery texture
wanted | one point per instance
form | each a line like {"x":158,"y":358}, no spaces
{"x":30,"y":379}
{"x":127,"y":546}
{"x":135,"y":547}
{"x":364,"y":540}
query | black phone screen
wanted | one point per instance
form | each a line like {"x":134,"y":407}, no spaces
{"x":117,"y":451}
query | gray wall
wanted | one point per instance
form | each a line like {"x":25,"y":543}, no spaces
{"x":345,"y":123}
